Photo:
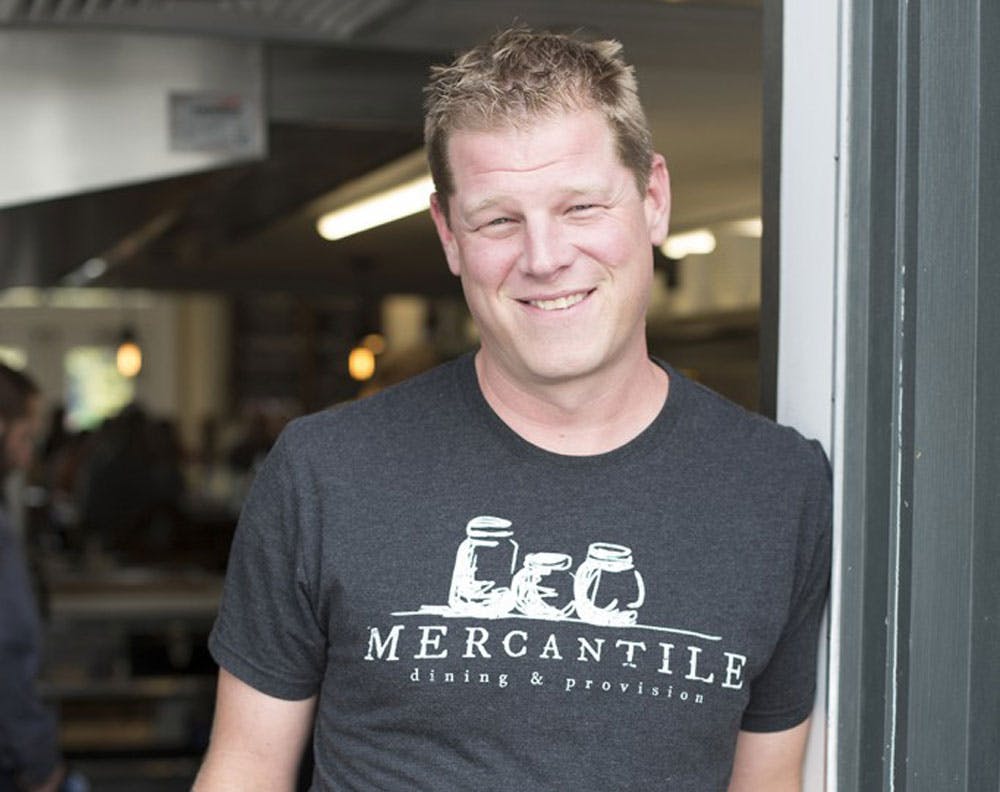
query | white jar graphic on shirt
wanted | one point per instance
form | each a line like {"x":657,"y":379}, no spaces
{"x":608,"y":589}
{"x":484,"y":566}
{"x":543,"y":587}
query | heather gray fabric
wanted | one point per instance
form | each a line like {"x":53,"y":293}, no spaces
{"x":440,"y":666}
{"x":28,"y":744}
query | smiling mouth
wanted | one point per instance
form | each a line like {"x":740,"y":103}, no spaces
{"x":559,"y":303}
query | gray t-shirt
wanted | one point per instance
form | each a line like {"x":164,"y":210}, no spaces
{"x":477,"y":613}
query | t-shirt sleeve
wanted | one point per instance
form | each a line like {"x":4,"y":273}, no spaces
{"x":782,"y":694}
{"x":267,"y":632}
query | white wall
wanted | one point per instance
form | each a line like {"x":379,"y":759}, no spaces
{"x":204,"y":362}
{"x":809,"y":208}
{"x":65,"y":92}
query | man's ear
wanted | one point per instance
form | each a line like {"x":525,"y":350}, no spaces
{"x":657,"y":201}
{"x":440,"y":215}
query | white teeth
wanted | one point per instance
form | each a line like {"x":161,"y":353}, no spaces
{"x":559,"y":303}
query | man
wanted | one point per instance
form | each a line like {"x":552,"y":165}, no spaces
{"x":556,"y":564}
{"x":29,"y":750}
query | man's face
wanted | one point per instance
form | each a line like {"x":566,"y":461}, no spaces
{"x":553,"y":242}
{"x":21,"y":435}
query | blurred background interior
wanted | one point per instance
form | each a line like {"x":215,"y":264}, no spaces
{"x":166,"y":168}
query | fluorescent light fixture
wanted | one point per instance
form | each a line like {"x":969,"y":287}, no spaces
{"x":397,"y":189}
{"x":750,"y":227}
{"x":91,"y":269}
{"x":392,"y":204}
{"x":701,"y":241}
{"x":94,"y":268}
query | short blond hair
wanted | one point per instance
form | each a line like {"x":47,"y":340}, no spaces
{"x":519,"y":76}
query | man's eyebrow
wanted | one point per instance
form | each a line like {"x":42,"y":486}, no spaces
{"x":568,"y":192}
{"x":589,"y":190}
{"x":485,"y":203}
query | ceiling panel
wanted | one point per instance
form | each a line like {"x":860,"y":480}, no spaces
{"x":344,"y":96}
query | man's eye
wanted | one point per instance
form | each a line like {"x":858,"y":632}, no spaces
{"x":496,"y":224}
{"x":582,"y":207}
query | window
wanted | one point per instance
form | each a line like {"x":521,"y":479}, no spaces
{"x":94,"y":388}
{"x":14,"y":357}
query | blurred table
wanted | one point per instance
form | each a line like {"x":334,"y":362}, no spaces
{"x":141,"y":594}
{"x":128,"y":665}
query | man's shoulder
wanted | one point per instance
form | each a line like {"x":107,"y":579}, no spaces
{"x":749,"y":437}
{"x":406,"y":407}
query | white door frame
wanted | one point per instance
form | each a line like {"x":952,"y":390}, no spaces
{"x":810,"y":317}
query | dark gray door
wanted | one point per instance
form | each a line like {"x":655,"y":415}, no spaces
{"x":919,"y":686}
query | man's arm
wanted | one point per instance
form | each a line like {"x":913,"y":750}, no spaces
{"x":257,"y":740}
{"x":770,"y":761}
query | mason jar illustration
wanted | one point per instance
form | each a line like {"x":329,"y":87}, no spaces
{"x":543,"y":587}
{"x":484,"y":565}
{"x":608,"y":589}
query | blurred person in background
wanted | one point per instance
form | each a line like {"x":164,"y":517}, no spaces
{"x":131,"y":487}
{"x":29,"y":751}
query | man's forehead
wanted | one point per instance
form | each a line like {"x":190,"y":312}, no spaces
{"x":583,"y":131}
{"x":515,"y":123}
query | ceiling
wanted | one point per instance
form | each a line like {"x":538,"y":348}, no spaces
{"x":251,"y":226}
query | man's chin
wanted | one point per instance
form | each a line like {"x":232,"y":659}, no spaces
{"x":554,"y":369}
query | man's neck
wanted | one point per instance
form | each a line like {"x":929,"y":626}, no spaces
{"x":582,"y":417}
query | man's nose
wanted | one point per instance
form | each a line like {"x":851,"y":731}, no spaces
{"x":547,"y":248}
